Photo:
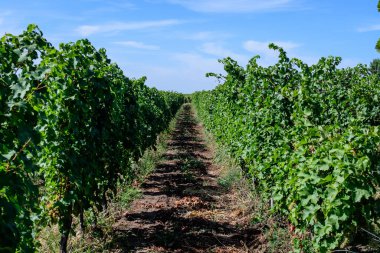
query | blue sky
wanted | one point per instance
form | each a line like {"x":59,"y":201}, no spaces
{"x":175,"y":42}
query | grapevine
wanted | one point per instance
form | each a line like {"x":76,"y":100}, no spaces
{"x":71,"y":125}
{"x":308,"y":136}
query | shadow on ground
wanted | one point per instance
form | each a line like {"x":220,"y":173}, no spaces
{"x":177,"y":210}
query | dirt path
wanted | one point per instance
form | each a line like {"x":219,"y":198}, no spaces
{"x":183,"y":209}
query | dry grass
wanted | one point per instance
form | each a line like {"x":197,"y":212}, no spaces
{"x":96,"y":237}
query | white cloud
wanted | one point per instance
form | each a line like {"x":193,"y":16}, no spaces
{"x":3,"y":16}
{"x":138,"y":45}
{"x":121,"y":4}
{"x":191,"y":70}
{"x":205,"y":35}
{"x":200,"y":36}
{"x":9,"y":24}
{"x":197,"y":62}
{"x":257,"y":47}
{"x":369,"y":28}
{"x":86,"y":30}
{"x":217,"y":50}
{"x":269,"y":56}
{"x":236,"y":6}
{"x":6,"y":13}
{"x":181,"y":71}
{"x":262,"y":47}
{"x":349,"y":62}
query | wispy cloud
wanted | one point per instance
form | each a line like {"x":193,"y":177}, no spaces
{"x":369,"y":28}
{"x":269,"y":56}
{"x":86,"y":30}
{"x":9,"y":23}
{"x":349,"y":62}
{"x":191,"y":70}
{"x":200,"y":36}
{"x":116,"y":3}
{"x":205,"y":35}
{"x":110,"y":6}
{"x":234,"y":6}
{"x":4,"y":15}
{"x":182,"y":71}
{"x":262,"y":47}
{"x":219,"y":51}
{"x":138,"y":45}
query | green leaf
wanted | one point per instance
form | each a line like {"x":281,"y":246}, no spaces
{"x":361,"y":193}
{"x":23,"y":56}
{"x":9,"y":155}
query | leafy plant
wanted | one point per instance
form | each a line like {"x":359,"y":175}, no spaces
{"x":308,"y":136}
{"x":20,"y":88}
{"x":71,"y":124}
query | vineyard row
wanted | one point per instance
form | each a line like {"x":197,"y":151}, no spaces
{"x":308,"y":138}
{"x":71,"y":126}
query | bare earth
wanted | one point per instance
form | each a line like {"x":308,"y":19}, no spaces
{"x":183,"y":209}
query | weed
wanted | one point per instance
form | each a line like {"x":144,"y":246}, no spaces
{"x":230,"y":178}
{"x":126,"y":196}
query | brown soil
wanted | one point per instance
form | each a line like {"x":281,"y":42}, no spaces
{"x":182,"y":208}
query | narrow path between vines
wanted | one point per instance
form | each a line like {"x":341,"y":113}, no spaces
{"x":182,"y":208}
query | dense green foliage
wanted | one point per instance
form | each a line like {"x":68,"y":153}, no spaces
{"x":71,"y":124}
{"x":374,"y":66}
{"x":307,"y":135}
{"x":19,"y":87}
